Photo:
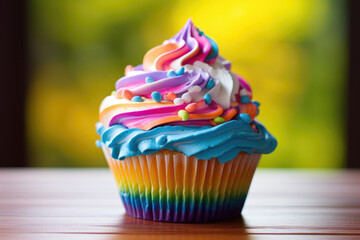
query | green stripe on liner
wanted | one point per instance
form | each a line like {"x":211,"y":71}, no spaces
{"x":208,"y":198}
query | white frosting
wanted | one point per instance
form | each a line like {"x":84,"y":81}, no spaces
{"x":112,"y":100}
{"x":226,"y":85}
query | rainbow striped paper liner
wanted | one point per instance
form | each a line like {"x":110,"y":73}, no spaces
{"x":169,"y":186}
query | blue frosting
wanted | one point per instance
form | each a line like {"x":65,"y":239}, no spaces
{"x":223,"y":141}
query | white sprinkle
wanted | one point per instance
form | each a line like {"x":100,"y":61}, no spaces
{"x":243,"y":92}
{"x":194,"y":89}
{"x":186,"y":97}
{"x":178,"y":101}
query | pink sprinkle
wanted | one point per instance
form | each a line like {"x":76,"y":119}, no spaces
{"x":125,"y":93}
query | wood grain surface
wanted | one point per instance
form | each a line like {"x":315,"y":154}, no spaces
{"x":83,"y":204}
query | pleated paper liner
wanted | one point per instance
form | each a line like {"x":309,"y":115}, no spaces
{"x":169,"y":186}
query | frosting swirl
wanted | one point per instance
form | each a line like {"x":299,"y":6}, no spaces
{"x":189,"y":89}
{"x":183,"y":95}
{"x":226,"y":140}
{"x":186,"y":47}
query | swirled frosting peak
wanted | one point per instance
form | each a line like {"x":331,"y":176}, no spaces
{"x":181,"y":82}
{"x":186,"y":47}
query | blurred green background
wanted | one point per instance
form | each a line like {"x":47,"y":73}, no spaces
{"x":293,"y":53}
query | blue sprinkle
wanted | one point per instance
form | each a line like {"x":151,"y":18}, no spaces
{"x":149,"y":80}
{"x":245,"y":99}
{"x":256,"y":103}
{"x":136,"y":99}
{"x":171,"y":74}
{"x":161,"y":140}
{"x":258,"y":111}
{"x":207,"y":98}
{"x":156,"y":96}
{"x":200,"y":32}
{"x":98,"y":143}
{"x":180,"y":71}
{"x":210,"y":84}
{"x":245,"y":117}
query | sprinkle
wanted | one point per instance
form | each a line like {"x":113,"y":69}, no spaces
{"x":170,"y":96}
{"x":136,"y":99}
{"x":226,"y":64}
{"x":194,"y":89}
{"x":210,"y":84}
{"x":245,"y":117}
{"x":156,"y":96}
{"x":129,"y":68}
{"x":200,"y":32}
{"x":161,"y":140}
{"x":180,"y":71}
{"x":113,"y":93}
{"x":207,"y":98}
{"x":219,"y":120}
{"x":191,"y":107}
{"x":171,"y":74}
{"x":178,"y":101}
{"x":186,"y":97}
{"x":98,"y":143}
{"x":243,"y":92}
{"x":245,"y":99}
{"x":183,"y":114}
{"x":256,"y":103}
{"x":126,"y":93}
{"x":149,"y":80}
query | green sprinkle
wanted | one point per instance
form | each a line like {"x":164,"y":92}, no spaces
{"x":113,"y":93}
{"x":219,"y":120}
{"x":183,"y":114}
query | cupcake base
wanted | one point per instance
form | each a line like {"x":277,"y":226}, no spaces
{"x":169,"y":186}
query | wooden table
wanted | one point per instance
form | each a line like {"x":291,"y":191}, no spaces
{"x":83,"y":204}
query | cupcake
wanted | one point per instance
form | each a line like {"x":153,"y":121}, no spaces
{"x":179,"y":133}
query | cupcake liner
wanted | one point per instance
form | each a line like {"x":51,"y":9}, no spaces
{"x":169,"y":186}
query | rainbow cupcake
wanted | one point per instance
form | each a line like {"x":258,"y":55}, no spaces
{"x":180,"y":134}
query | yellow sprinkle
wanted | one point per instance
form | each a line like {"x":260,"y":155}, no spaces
{"x":219,"y":120}
{"x":183,"y":114}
